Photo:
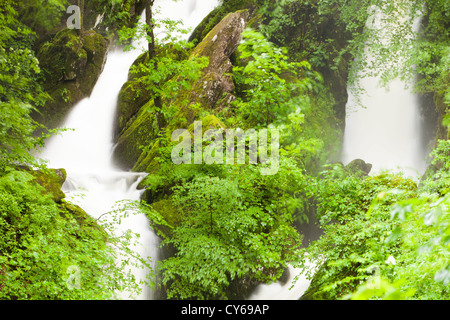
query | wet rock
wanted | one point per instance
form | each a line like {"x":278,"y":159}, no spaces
{"x":71,"y":66}
{"x":359,"y":165}
{"x":213,"y":90}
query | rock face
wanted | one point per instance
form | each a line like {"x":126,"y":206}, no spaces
{"x":359,"y":165}
{"x":218,"y":45}
{"x":51,"y":180}
{"x":214,"y":90}
{"x":71,"y":68}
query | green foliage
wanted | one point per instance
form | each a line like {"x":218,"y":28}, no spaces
{"x":41,"y":16}
{"x":355,"y":214}
{"x":438,"y":182}
{"x":421,"y":268}
{"x":273,"y":86}
{"x":384,"y":237}
{"x":115,"y":13}
{"x":309,"y":28}
{"x":169,"y":80}
{"x":230,"y":227}
{"x":168,"y":75}
{"x":42,"y":243}
{"x":431,"y":53}
{"x":20,"y":91}
{"x":286,"y":95}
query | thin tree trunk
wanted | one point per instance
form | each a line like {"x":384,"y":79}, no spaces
{"x":150,"y":32}
{"x":152,"y":56}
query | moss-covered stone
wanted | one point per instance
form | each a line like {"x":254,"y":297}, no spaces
{"x":51,"y":180}
{"x":132,"y":97}
{"x":141,"y":132}
{"x":71,"y":66}
{"x":136,"y":93}
{"x":207,"y":123}
{"x":214,"y":89}
{"x":216,"y":82}
{"x":222,"y":41}
{"x":148,"y":161}
{"x":215,"y":16}
{"x":358,"y":166}
{"x":89,"y":225}
{"x":170,"y":214}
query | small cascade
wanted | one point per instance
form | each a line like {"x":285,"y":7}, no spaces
{"x":93,"y":182}
{"x":292,"y":288}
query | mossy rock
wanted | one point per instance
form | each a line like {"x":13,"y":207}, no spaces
{"x":149,"y":161}
{"x":222,"y":41}
{"x":71,"y":66}
{"x":208,"y":122}
{"x":132,"y":97}
{"x":62,"y":56}
{"x":170,"y":214}
{"x":359,"y":166}
{"x":141,"y":132}
{"x":216,"y":82}
{"x":89,"y":226}
{"x":215,"y":86}
{"x":51,"y":180}
{"x":134,"y":94}
{"x":220,"y":12}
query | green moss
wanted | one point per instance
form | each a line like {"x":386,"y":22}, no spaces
{"x":52,"y":181}
{"x":89,"y":226}
{"x":70,"y":66}
{"x":215,"y":16}
{"x":208,"y":122}
{"x":132,"y":97}
{"x":149,"y":161}
{"x":170,"y":214}
{"x":141,"y":132}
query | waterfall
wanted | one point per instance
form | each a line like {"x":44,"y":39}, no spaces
{"x":93,"y":182}
{"x":386,"y":128}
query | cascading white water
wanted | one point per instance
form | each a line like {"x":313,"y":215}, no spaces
{"x":86,"y":152}
{"x":386,"y":129}
{"x":293,"y":288}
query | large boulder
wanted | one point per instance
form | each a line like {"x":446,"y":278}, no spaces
{"x":51,"y":180}
{"x":213,"y":90}
{"x":71,"y":66}
{"x":218,"y":45}
{"x":359,"y":166}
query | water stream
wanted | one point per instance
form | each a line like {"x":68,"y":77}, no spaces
{"x":386,"y":133}
{"x":93,"y":182}
{"x":383,"y":127}
{"x":386,"y":128}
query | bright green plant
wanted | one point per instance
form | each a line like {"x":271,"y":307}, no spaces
{"x":354,"y":213}
{"x":53,"y":252}
{"x":237,"y":226}
{"x":273,"y":86}
{"x":20,"y":91}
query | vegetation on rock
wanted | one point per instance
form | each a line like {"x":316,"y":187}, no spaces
{"x":281,"y":65}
